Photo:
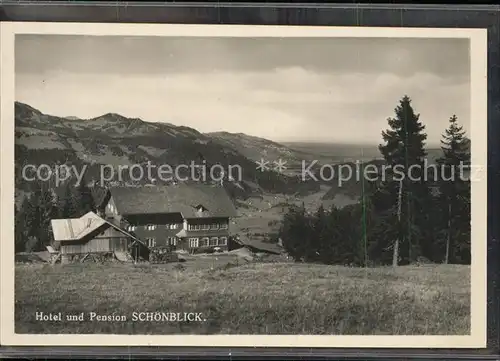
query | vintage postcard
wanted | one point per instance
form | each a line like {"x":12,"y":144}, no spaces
{"x":202,"y":185}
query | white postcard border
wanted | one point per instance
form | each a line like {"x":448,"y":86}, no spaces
{"x":478,"y":57}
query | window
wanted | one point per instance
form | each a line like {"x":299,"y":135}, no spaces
{"x":151,"y":242}
{"x":213,"y":241}
{"x":214,"y":226}
{"x":172,"y":241}
{"x":150,"y":227}
{"x":193,"y":242}
{"x":194,"y":227}
{"x":131,"y":228}
{"x":224,"y":226}
{"x":172,"y":226}
{"x":204,"y":242}
{"x":223,"y":241}
{"x":205,"y":227}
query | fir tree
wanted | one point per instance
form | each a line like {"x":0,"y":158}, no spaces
{"x":68,"y":203}
{"x":85,"y":198}
{"x":21,"y":225}
{"x":454,"y":200}
{"x":330,"y":247}
{"x":320,"y":235}
{"x":28,"y":219}
{"x":347,"y":247}
{"x":405,"y":192}
{"x":380,"y":215}
{"x":296,"y":232}
{"x":33,"y":220}
{"x":48,"y":211}
{"x":34,"y":217}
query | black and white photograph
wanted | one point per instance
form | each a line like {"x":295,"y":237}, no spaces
{"x":230,"y":184}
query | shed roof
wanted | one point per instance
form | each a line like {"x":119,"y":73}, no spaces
{"x":76,"y":228}
{"x":179,"y":198}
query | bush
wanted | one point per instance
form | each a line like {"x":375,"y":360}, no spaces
{"x":162,"y":256}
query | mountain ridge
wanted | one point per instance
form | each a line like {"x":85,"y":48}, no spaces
{"x":117,"y":140}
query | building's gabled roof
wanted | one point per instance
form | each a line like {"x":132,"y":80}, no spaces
{"x":74,"y":229}
{"x":180,"y":198}
{"x":258,"y":245}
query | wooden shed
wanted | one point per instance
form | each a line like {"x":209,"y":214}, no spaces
{"x":90,"y":235}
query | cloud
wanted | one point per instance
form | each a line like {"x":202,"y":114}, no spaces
{"x":286,"y":103}
{"x":160,"y":55}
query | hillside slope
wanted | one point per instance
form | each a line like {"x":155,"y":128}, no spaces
{"x":256,"y":148}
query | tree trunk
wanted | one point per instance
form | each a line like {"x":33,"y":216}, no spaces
{"x":395,"y":254}
{"x":447,"y":254}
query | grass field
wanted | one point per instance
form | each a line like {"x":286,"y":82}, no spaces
{"x":252,"y":298}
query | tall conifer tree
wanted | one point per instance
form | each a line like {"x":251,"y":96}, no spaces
{"x":455,"y":193}
{"x":404,"y":152}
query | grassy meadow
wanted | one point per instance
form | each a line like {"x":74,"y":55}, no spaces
{"x":238,"y":297}
{"x":263,"y":215}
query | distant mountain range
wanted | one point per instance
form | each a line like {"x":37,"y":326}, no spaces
{"x":115,"y":140}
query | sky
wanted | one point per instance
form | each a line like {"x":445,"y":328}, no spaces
{"x":339,"y":90}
